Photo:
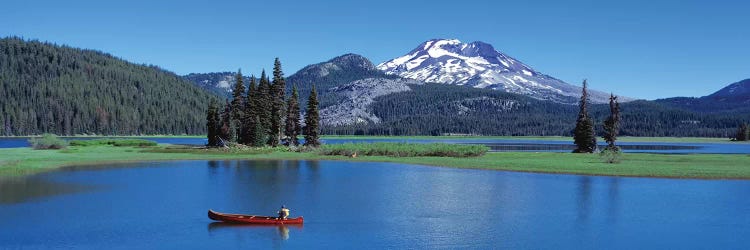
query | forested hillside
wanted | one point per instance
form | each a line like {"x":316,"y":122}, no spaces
{"x":435,"y":109}
{"x":734,"y":98}
{"x":46,"y":88}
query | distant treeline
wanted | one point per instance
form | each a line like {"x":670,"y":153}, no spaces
{"x":46,"y":88}
{"x":436,"y":109}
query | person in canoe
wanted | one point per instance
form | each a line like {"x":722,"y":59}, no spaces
{"x":283,"y":213}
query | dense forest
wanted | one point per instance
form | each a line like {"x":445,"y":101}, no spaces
{"x":463,"y":110}
{"x":46,"y":88}
{"x":263,"y":114}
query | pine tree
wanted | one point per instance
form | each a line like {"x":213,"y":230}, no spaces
{"x":211,"y":124}
{"x":238,"y":109}
{"x":218,"y":125}
{"x":742,"y":133}
{"x":259,"y":134}
{"x":612,"y":152}
{"x":312,"y":120}
{"x":293,"y":126}
{"x":263,"y":104}
{"x":277,"y":103}
{"x":249,"y":122}
{"x":226,"y":123}
{"x":583,"y":135}
{"x":612,"y":124}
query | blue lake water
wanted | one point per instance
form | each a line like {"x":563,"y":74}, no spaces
{"x":498,"y":145}
{"x":366,"y":206}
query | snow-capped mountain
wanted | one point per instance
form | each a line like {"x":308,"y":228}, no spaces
{"x":479,"y":65}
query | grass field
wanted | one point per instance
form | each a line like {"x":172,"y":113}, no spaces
{"x":543,"y":138}
{"x":535,"y":138}
{"x":23,"y":161}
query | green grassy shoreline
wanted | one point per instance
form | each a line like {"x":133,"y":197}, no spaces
{"x":531,"y":138}
{"x":25,"y":161}
{"x":540,"y":138}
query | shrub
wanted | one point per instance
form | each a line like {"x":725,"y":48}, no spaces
{"x":611,"y":154}
{"x":404,"y":149}
{"x":48,"y":141}
{"x":133,"y":143}
{"x":114,"y":142}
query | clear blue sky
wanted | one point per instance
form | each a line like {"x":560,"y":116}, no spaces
{"x":645,"y":49}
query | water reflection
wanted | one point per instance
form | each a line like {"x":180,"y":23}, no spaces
{"x":20,"y":189}
{"x":613,"y":198}
{"x":282,"y":231}
{"x":596,"y":198}
{"x":261,"y":186}
{"x":584,"y":198}
{"x":375,"y":205}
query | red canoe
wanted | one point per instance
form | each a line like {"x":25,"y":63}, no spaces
{"x":251,"y":219}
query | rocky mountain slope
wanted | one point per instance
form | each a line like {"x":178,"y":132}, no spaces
{"x":358,"y":96}
{"x":220,"y":83}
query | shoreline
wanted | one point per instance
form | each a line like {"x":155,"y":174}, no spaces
{"x":26,"y":161}
{"x":444,"y":137}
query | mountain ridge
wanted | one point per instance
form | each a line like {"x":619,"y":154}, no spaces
{"x":734,"y":97}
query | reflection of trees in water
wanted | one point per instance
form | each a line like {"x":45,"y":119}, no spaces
{"x":261,"y":186}
{"x":20,"y":189}
{"x":213,"y":164}
{"x":614,"y":193}
{"x":313,"y":165}
{"x":585,"y":200}
{"x":584,"y":197}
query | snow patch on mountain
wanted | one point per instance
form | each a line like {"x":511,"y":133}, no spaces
{"x":479,"y":65}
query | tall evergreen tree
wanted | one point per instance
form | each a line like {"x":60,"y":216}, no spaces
{"x":238,"y":107}
{"x":612,"y":124}
{"x":259,"y":134}
{"x":293,"y":126}
{"x":312,"y":120}
{"x":250,"y":113}
{"x":743,"y":133}
{"x":217,"y":128}
{"x":212,"y":123}
{"x":264,"y":103}
{"x":278,"y":96}
{"x":226,"y":123}
{"x":583,"y":135}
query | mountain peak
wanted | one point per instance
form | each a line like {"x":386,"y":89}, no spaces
{"x":352,"y":60}
{"x":479,"y":64}
{"x":346,"y":62}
